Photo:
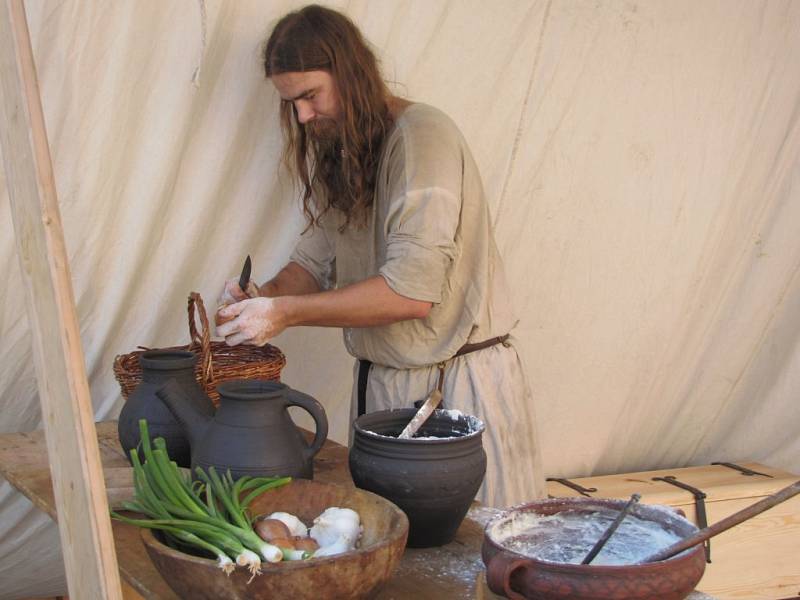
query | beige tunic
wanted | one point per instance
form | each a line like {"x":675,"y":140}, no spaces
{"x":429,"y":236}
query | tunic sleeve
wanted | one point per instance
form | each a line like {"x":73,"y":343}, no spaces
{"x":424,"y":188}
{"x":316,"y":254}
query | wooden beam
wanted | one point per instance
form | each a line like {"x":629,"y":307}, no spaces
{"x":84,"y":526}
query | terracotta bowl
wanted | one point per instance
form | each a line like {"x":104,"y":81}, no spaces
{"x":517,"y":576}
{"x":355,"y":574}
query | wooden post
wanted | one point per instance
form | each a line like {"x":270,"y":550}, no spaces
{"x":84,"y":526}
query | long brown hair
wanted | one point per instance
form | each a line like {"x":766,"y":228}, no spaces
{"x":342,"y":175}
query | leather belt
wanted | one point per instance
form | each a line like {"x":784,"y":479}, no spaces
{"x":467,"y":348}
{"x":364,"y":367}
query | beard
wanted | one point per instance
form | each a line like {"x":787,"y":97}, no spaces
{"x":324,"y":132}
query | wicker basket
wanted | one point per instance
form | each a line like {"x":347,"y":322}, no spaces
{"x":217,"y":362}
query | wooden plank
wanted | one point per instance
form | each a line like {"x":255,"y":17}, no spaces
{"x":25,"y":451}
{"x":119,"y":486}
{"x":720,"y":483}
{"x":85,"y":529}
{"x":757,"y":560}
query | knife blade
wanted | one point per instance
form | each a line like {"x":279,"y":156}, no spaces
{"x":244,"y":278}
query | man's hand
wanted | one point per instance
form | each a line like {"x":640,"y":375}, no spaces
{"x":255,"y":321}
{"x":366,"y":303}
{"x":232,"y":293}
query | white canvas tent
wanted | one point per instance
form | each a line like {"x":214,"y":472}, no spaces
{"x":641,"y":158}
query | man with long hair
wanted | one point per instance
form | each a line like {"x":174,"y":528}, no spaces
{"x":398,"y":251}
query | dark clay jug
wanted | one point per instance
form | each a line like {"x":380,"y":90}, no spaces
{"x":251,"y":432}
{"x":158,"y":367}
{"x":433,"y":477}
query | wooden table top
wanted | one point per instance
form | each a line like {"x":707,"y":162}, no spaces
{"x":450,"y":571}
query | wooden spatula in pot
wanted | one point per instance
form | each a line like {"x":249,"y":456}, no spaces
{"x":425,"y":411}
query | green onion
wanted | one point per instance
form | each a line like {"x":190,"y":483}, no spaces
{"x":223,"y":560}
{"x":207,"y":513}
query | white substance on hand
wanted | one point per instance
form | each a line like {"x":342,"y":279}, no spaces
{"x":295,"y":525}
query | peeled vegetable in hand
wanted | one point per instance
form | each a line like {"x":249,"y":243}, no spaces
{"x":251,"y":291}
{"x":219,"y":319}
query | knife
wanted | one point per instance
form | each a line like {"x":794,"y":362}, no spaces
{"x":249,"y":288}
{"x":244,"y":278}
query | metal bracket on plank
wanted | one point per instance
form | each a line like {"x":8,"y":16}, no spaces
{"x":575,"y":486}
{"x":699,"y":505}
{"x":741,"y":469}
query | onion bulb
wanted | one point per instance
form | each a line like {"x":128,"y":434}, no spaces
{"x":305,"y":543}
{"x":271,"y":529}
{"x":283,"y":543}
{"x":295,"y":525}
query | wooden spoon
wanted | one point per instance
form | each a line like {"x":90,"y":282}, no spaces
{"x":422,"y":415}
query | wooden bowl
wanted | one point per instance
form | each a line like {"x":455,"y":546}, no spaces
{"x":355,"y":574}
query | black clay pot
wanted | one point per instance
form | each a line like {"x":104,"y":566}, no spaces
{"x":158,"y":367}
{"x":433,"y":480}
{"x":251,"y":432}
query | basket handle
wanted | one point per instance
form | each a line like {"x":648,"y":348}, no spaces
{"x":201,"y":341}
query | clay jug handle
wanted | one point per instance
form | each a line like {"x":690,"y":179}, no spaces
{"x":314,"y":408}
{"x":499,"y":571}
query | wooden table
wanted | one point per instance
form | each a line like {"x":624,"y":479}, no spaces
{"x":435,"y":573}
{"x":450,"y":571}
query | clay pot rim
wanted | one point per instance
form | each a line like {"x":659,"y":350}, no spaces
{"x":250,"y":390}
{"x":600,"y":569}
{"x":149,"y":539}
{"x":481,"y":427}
{"x":529,"y":507}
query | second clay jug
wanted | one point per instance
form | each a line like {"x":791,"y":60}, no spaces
{"x":158,"y":367}
{"x":251,"y":432}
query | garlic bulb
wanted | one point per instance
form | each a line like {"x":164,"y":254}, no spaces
{"x":340,"y":546}
{"x":295,"y":525}
{"x":334,"y":524}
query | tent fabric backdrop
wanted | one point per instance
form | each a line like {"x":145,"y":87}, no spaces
{"x":641,"y":158}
